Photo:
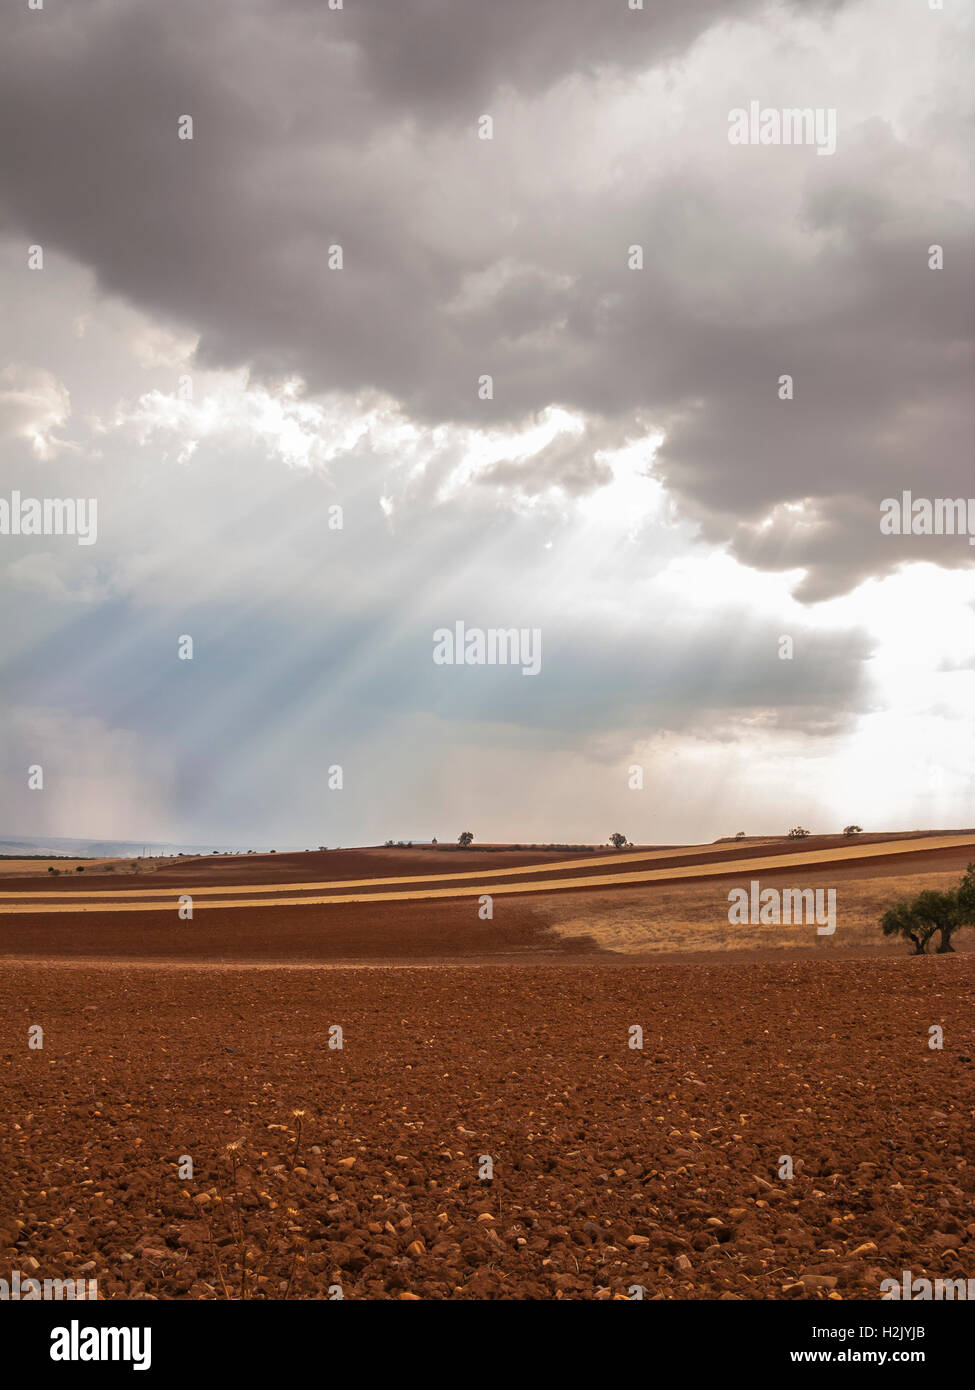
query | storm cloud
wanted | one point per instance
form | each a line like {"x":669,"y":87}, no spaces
{"x":509,"y":257}
{"x":542,"y":373}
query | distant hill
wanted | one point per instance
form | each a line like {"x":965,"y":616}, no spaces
{"x":25,"y":846}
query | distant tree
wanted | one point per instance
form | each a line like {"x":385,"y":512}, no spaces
{"x":850,"y":830}
{"x":930,"y":912}
{"x":617,"y":839}
{"x":900,"y":920}
{"x":966,"y":897}
{"x":323,"y":846}
{"x":465,"y":838}
{"x":798,"y":832}
{"x":740,"y":835}
{"x":81,"y":868}
{"x":943,"y":911}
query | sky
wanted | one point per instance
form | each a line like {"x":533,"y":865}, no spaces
{"x":263,"y":350}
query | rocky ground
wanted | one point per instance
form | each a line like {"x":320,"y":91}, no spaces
{"x":613,"y":1167}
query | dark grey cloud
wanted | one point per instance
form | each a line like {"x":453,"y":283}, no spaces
{"x":508,"y":257}
{"x":439,"y":55}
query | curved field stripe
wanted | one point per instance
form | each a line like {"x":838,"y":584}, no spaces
{"x":726,"y":869}
{"x":308,"y":885}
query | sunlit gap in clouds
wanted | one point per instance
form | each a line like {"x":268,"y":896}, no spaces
{"x":915,"y":747}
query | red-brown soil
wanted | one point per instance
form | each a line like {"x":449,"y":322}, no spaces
{"x":612,"y":1167}
{"x":463,"y":1037}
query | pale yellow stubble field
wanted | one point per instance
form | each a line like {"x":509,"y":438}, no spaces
{"x":694,"y":916}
